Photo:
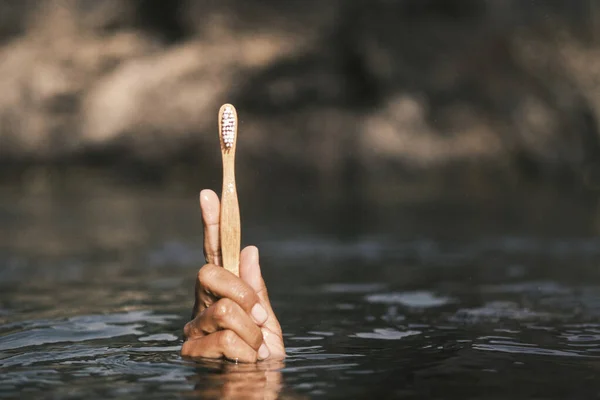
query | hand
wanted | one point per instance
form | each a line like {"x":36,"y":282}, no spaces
{"x":232,"y":315}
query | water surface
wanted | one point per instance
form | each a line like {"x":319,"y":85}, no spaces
{"x":437,"y":298}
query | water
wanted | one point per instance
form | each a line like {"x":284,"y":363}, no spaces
{"x":439,"y":298}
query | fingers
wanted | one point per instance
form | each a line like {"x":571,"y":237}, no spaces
{"x":271,"y":329}
{"x":273,"y":340}
{"x":211,"y":209}
{"x":217,"y":281}
{"x":225,"y":314}
{"x":251,"y":274}
{"x":224,"y":343}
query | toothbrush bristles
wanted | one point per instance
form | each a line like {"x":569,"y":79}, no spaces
{"x":228,"y":127}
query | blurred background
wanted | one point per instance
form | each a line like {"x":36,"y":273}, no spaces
{"x":332,"y":93}
{"x":346,"y":107}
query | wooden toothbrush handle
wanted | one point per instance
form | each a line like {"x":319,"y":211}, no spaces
{"x":230,"y":224}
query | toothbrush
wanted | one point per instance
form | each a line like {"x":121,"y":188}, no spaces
{"x":230,"y":211}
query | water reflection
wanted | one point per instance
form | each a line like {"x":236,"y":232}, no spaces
{"x":226,"y":380}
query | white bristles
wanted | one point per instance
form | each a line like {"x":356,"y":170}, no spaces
{"x":228,"y":127}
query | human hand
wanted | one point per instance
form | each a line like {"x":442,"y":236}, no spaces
{"x":232,"y":315}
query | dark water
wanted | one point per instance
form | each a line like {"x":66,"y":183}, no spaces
{"x":438,"y":297}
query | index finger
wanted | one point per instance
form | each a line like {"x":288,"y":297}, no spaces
{"x":211,"y":209}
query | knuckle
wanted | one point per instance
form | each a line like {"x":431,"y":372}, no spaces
{"x":242,"y":293}
{"x":206,"y":274}
{"x":223,"y":309}
{"x":227,"y":340}
{"x":213,"y":252}
{"x":245,"y":296}
{"x":190,"y":330}
{"x":187,"y":330}
{"x":187,"y":350}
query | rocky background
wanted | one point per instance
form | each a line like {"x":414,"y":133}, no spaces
{"x":333,"y":92}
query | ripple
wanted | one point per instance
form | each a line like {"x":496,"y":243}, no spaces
{"x":588,"y":337}
{"x":293,"y":351}
{"x":67,"y":333}
{"x":496,"y":311}
{"x":319,"y":333}
{"x":417,"y":299}
{"x":540,"y":287}
{"x":330,"y":367}
{"x":38,"y":357}
{"x":385,"y":334}
{"x":306,"y":338}
{"x":521,"y":349}
{"x":81,"y":328}
{"x":159,"y":337}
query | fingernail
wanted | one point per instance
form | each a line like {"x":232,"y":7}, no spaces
{"x":259,"y":313}
{"x":204,"y":195}
{"x":263,"y":352}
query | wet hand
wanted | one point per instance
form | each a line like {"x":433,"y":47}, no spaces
{"x":232,"y":316}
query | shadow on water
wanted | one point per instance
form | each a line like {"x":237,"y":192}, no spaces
{"x":441,"y":296}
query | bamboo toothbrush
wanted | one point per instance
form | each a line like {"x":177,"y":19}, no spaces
{"x":230,"y":211}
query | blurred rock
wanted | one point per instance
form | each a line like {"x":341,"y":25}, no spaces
{"x":339,"y":89}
